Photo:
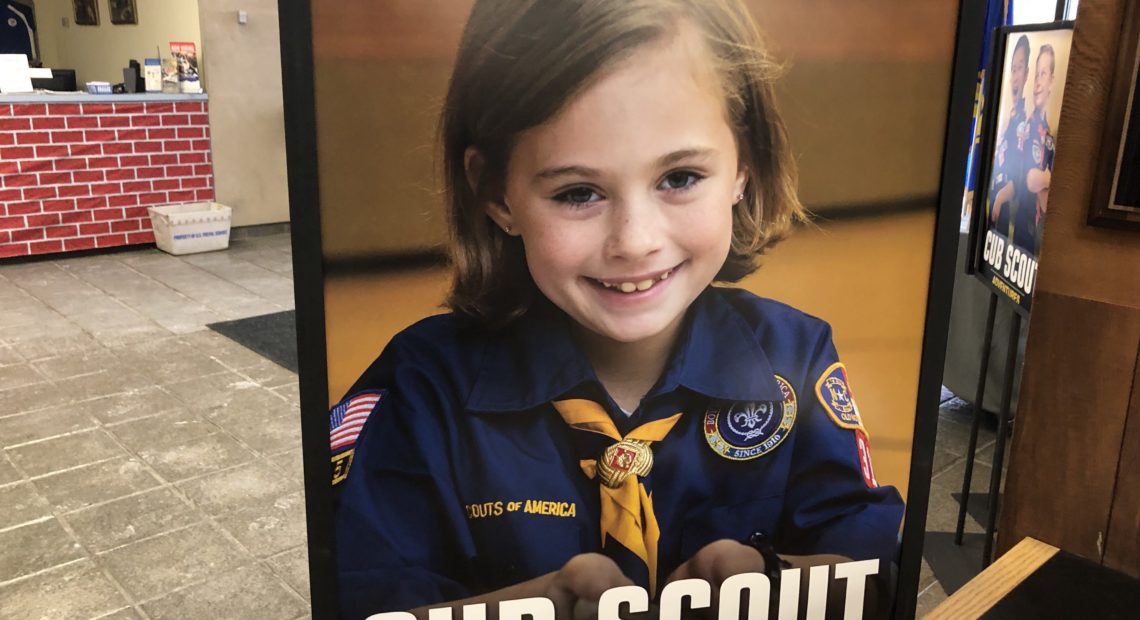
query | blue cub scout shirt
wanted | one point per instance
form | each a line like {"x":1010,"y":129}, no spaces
{"x":1008,"y":151}
{"x":465,"y":479}
{"x":1038,"y":155}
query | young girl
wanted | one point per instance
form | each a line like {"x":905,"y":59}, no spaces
{"x":593,"y":413}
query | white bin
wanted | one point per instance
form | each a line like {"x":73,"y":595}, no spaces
{"x":190,"y":228}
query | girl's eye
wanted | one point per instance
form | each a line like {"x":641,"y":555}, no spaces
{"x":680,"y":180}
{"x":578,"y":196}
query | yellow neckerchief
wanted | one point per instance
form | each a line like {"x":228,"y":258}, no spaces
{"x":626,"y":509}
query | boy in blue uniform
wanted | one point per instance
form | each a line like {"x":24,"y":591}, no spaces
{"x":1027,"y":163}
{"x":593,"y":413}
{"x":1036,"y":169}
{"x":1011,"y":141}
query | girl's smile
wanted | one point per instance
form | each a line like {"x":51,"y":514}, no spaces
{"x":623,"y":200}
{"x":635,"y":284}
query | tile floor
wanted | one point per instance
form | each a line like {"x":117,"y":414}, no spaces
{"x":151,"y":468}
{"x":947,"y":566}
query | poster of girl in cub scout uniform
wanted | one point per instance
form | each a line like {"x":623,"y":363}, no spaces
{"x":619,"y":302}
{"x":1034,"y":70}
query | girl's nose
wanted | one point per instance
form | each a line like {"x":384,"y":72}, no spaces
{"x":636,"y":229}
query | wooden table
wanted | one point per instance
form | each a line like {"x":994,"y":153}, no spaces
{"x":1037,"y":580}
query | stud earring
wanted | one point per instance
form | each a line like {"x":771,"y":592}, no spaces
{"x":507,"y":229}
{"x":739,"y":197}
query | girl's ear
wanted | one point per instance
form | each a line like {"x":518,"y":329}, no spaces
{"x":499,"y":212}
{"x":741,"y":181}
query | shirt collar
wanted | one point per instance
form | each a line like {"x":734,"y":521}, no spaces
{"x":537,"y":361}
{"x":719,"y":354}
{"x":533,"y":361}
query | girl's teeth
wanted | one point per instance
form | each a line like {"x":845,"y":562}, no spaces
{"x":630,"y":287}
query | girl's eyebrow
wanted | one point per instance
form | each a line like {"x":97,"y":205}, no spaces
{"x":663,"y":161}
{"x":551,"y":173}
{"x":683,"y":154}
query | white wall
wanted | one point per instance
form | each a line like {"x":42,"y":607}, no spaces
{"x":247,"y":118}
{"x":241,"y":71}
{"x":101,"y":52}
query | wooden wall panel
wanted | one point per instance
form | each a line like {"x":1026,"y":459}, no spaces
{"x":1074,"y":473}
{"x":1122,"y":546}
{"x":864,"y":98}
{"x":1077,"y":259}
{"x":894,"y":30}
{"x":1070,"y":418}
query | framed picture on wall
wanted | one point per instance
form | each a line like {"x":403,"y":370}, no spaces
{"x":1031,"y":65}
{"x":86,"y":12}
{"x":1116,"y":190}
{"x":123,"y":12}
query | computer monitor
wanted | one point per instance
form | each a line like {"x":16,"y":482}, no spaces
{"x":61,"y":80}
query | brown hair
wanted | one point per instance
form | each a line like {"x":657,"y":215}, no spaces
{"x":521,"y":61}
{"x":1048,"y":49}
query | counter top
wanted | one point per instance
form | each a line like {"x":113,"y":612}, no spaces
{"x":80,"y":97}
{"x":1038,"y":580}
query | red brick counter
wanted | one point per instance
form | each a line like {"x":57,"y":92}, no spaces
{"x":78,"y":175}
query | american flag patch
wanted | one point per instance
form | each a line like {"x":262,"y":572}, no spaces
{"x":347,"y":418}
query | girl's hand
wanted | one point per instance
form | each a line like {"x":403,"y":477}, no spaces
{"x":718,"y":561}
{"x":577,"y":586}
{"x":724,"y":558}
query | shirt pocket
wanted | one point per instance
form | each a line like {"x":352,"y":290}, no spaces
{"x":734,"y":522}
{"x":514,"y":550}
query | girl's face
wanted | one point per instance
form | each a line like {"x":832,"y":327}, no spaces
{"x":624,"y":199}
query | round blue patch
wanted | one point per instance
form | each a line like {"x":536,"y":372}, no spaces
{"x":745,"y":430}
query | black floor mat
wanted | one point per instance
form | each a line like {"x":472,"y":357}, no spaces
{"x":953,"y":565}
{"x":979,"y":506}
{"x":273,"y":336}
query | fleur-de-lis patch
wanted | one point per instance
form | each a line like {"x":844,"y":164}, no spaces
{"x":743,"y":431}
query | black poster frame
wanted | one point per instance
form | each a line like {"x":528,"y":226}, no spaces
{"x":296,"y":25}
{"x":998,"y":39}
{"x":970,"y":39}
{"x":309,"y":268}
